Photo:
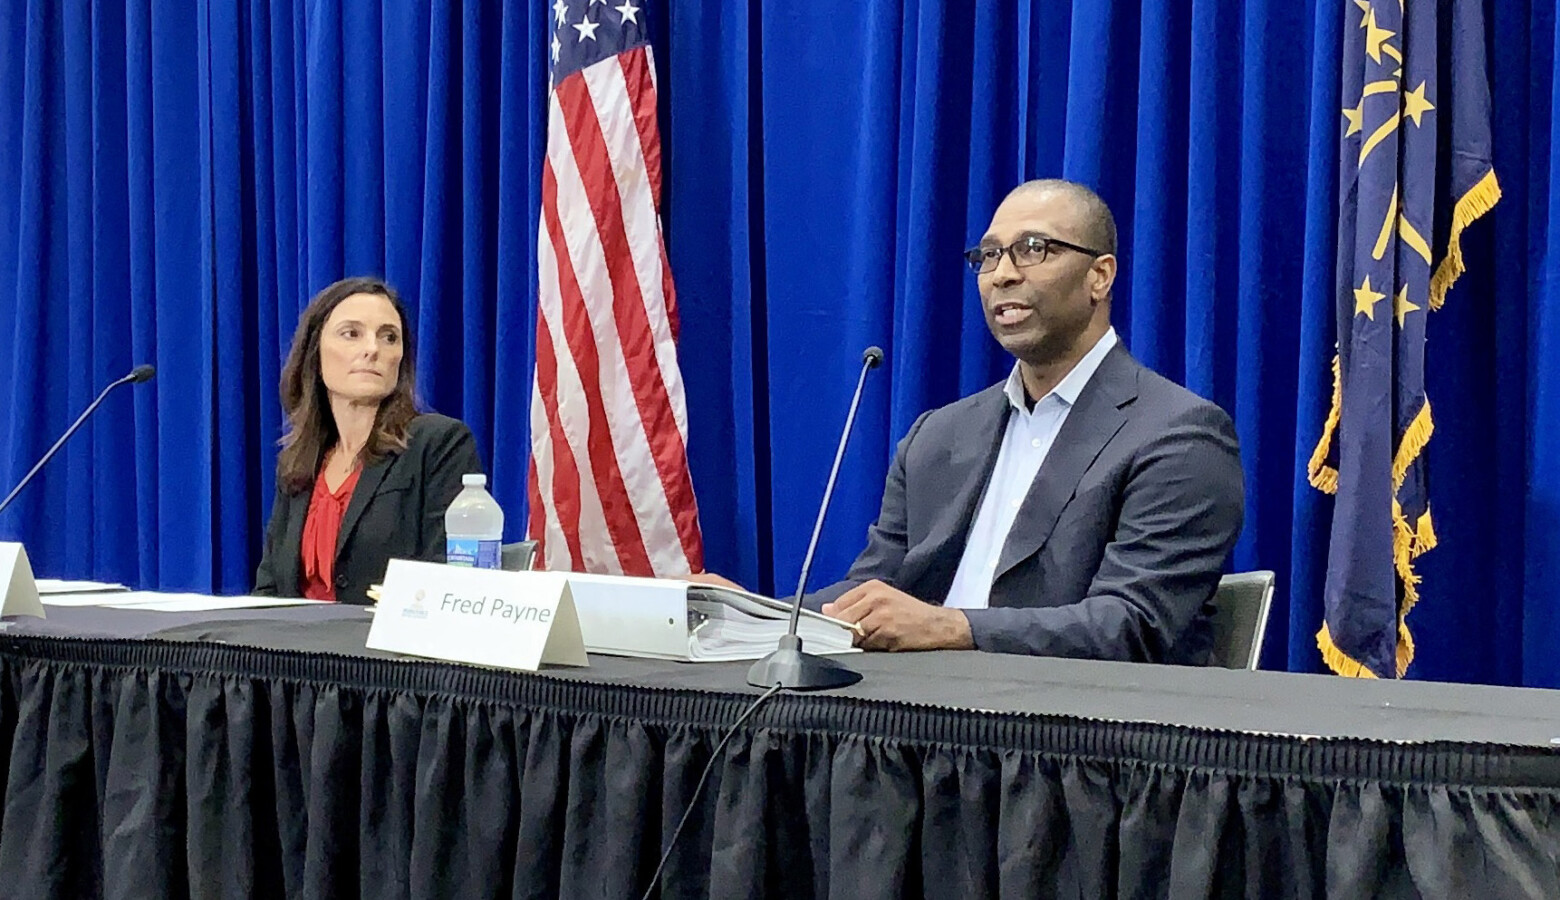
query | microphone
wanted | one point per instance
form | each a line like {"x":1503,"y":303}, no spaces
{"x":789,"y":667}
{"x":137,"y":375}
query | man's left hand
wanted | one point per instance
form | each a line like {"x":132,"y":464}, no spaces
{"x":891,"y":619}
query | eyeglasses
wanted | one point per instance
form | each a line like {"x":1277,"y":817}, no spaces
{"x":1026,"y":251}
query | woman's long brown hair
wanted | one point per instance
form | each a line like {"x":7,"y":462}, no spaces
{"x":311,"y":428}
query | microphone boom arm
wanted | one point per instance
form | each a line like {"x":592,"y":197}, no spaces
{"x":139,"y":374}
{"x":788,"y":666}
{"x":828,"y":492}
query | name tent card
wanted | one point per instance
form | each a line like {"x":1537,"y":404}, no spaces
{"x":18,"y":590}
{"x":512,"y":620}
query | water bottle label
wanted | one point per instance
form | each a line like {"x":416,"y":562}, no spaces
{"x":472,"y":553}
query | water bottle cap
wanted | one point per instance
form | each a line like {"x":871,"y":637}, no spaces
{"x":477,"y":480}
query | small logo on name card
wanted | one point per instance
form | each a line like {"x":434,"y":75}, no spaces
{"x":415,"y":609}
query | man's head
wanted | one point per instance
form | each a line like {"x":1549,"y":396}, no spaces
{"x":1045,"y":269}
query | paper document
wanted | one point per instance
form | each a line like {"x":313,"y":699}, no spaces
{"x":159,"y":602}
{"x":203,"y":603}
{"x":728,"y":625}
{"x":83,"y":599}
{"x":55,"y":586}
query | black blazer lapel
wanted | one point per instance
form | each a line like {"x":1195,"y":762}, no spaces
{"x":970,"y":461}
{"x":1090,"y":425}
{"x":368,"y":485}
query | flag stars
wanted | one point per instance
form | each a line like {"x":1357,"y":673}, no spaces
{"x":1415,"y":104}
{"x":1356,"y":119}
{"x":1401,"y":306}
{"x":628,"y":11}
{"x":556,"y":47}
{"x":1375,"y":36}
{"x":560,"y":9}
{"x":587,"y":29}
{"x":1365,"y":299}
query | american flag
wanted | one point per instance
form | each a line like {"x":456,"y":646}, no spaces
{"x":609,"y":484}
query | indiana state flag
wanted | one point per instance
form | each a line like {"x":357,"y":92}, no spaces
{"x":1414,"y":170}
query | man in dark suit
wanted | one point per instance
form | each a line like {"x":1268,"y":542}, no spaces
{"x":1083,"y":508}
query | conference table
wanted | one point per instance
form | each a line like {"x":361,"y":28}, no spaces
{"x":266,"y":753}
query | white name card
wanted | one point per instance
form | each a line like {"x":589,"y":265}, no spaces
{"x":512,"y":620}
{"x":18,"y":590}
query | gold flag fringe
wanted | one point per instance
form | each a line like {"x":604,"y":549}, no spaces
{"x":1324,"y":477}
{"x":1480,"y":199}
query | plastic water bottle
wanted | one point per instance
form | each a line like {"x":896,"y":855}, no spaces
{"x":473,"y":526}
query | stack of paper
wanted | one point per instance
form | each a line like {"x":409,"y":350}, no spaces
{"x":733,"y":624}
{"x":47,"y":586}
{"x":149,"y":600}
{"x":656,"y":618}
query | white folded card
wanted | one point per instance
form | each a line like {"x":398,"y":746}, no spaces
{"x":513,"y":620}
{"x":18,"y":591}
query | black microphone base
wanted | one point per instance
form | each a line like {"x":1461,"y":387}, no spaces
{"x":794,"y":670}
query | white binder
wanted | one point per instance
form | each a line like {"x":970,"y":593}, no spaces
{"x":679,"y":620}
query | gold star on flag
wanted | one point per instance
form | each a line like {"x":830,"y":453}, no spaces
{"x":1364,"y":6}
{"x":1375,"y":36}
{"x":1401,"y":306}
{"x":1415,"y":104}
{"x":1365,"y":300}
{"x":1356,"y":119}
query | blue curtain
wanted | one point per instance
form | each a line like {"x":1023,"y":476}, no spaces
{"x":177,"y":178}
{"x":180,"y":178}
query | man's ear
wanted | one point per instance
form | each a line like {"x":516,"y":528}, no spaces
{"x":1102,"y":274}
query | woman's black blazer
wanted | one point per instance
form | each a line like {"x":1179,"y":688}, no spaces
{"x":396,"y":512}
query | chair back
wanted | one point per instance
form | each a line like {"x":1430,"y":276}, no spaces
{"x":518,"y":557}
{"x":1240,"y":614}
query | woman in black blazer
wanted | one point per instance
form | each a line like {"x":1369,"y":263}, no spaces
{"x":362,"y":477}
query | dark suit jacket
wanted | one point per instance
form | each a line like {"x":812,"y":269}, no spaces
{"x":396,"y":511}
{"x":1120,"y":541}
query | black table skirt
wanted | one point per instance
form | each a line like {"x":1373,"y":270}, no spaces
{"x":186,"y":768}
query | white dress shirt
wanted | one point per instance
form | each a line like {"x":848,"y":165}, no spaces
{"x":1025,"y":445}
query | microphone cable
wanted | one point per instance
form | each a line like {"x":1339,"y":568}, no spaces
{"x":693,"y":802}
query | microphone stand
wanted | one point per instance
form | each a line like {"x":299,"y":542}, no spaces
{"x":788,"y":665}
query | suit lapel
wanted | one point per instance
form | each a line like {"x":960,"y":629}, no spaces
{"x":368,"y":485}
{"x":972,"y":461}
{"x":1093,"y":421}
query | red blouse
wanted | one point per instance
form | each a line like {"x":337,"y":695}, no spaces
{"x":320,"y":531}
